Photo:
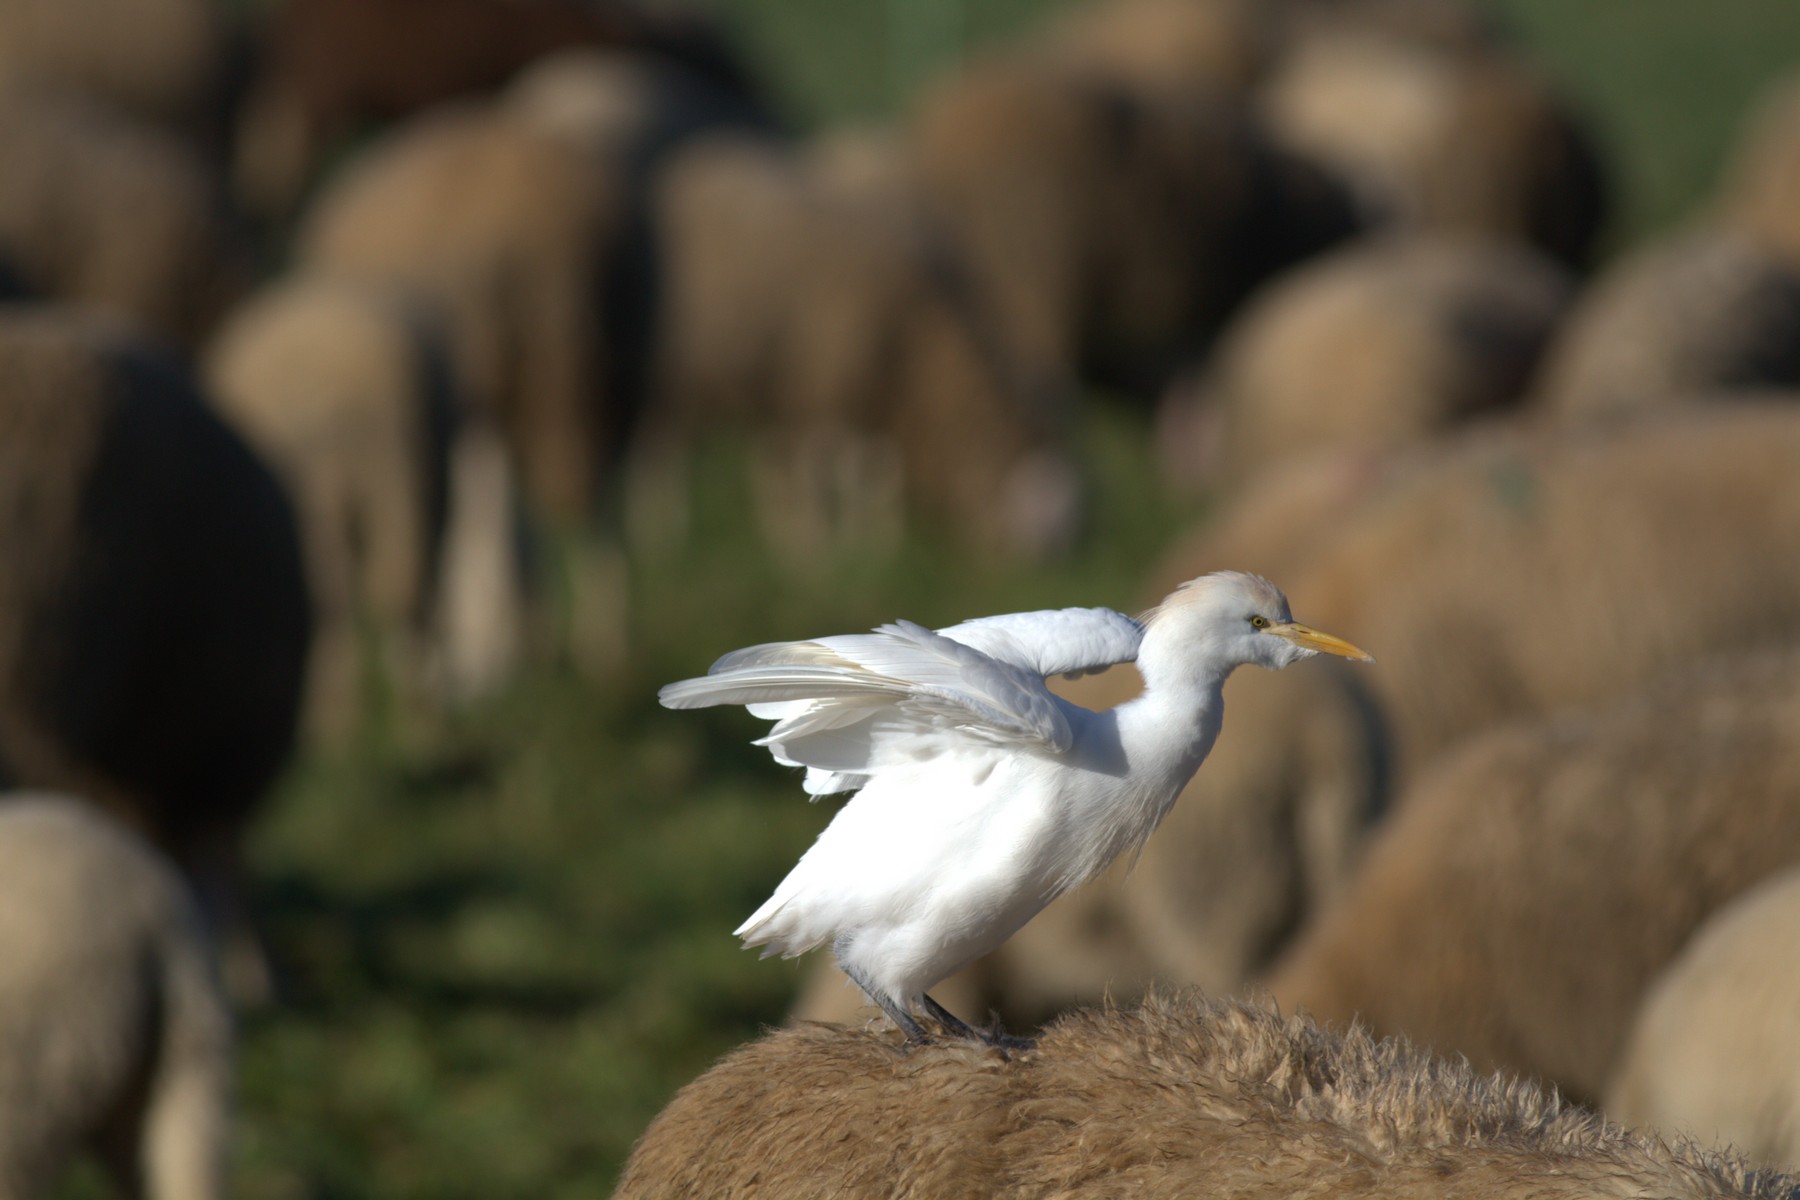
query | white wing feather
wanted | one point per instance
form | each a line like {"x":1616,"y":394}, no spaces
{"x":846,"y":707}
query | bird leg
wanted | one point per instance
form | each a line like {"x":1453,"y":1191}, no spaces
{"x":915,"y":1032}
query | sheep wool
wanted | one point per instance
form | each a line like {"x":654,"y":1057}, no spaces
{"x":1178,"y":1098}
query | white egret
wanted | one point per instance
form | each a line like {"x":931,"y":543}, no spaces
{"x":980,"y":795}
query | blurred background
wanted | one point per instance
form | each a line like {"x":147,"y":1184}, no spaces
{"x":395,"y":393}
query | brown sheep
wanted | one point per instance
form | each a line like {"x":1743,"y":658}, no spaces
{"x":1472,"y":142}
{"x":1281,"y":520}
{"x":1111,"y":227}
{"x":829,"y":327}
{"x":1383,"y":342}
{"x":346,"y":392}
{"x":627,"y":110}
{"x":167,"y":61}
{"x":1183,"y":1098}
{"x":1219,"y":44}
{"x":1701,"y":313}
{"x":153,"y":609}
{"x":506,"y":228}
{"x":1714,"y":1051}
{"x":1513,"y":575}
{"x":102,"y":210}
{"x":1524,"y":893}
{"x":115,"y":1037}
{"x":329,"y":67}
{"x":1761,"y":194}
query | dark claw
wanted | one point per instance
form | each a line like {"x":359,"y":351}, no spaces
{"x":994,"y":1035}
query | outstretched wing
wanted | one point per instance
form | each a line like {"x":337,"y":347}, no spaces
{"x":847,"y":707}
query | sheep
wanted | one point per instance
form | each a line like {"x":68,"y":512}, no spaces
{"x":101,"y":209}
{"x":153,"y":611}
{"x":1110,"y":227}
{"x":508,"y":229}
{"x":628,"y":110}
{"x":830,"y":327}
{"x":1714,"y":1051}
{"x":330,"y":66}
{"x":1524,"y":892}
{"x":1518,"y":572}
{"x":1180,"y":1097}
{"x":1280,"y":520}
{"x":1761,"y":192}
{"x":1384,"y":341}
{"x":1220,"y":44}
{"x":1706,"y":311}
{"x":346,"y":392}
{"x":169,"y":62}
{"x":1475,"y":142}
{"x":115,"y":1037}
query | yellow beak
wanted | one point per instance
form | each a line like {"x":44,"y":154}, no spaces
{"x":1312,"y":639}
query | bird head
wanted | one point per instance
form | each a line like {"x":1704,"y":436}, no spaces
{"x":1227,"y":619}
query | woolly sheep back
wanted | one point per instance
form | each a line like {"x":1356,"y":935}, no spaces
{"x":1181,"y":1098}
{"x":1702,"y":313}
{"x":1518,"y":901}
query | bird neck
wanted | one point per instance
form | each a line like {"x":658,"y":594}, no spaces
{"x":1167,"y":730}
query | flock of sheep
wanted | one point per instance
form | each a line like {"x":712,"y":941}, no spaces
{"x":272,"y":412}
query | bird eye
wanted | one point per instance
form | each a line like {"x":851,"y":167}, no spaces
{"x":1259,"y":621}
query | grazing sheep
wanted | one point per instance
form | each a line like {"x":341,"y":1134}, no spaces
{"x":1701,"y":313}
{"x":832,"y":331}
{"x":1761,"y":194}
{"x":627,"y":110}
{"x":1383,"y":342}
{"x":114,"y":1035}
{"x":1183,"y":1098}
{"x":167,"y":61}
{"x":508,"y":230}
{"x":102,"y":210}
{"x":153,"y":609}
{"x":1512,"y":575}
{"x":1216,"y":44}
{"x":1714,"y":1052}
{"x":1525,"y":891}
{"x":1472,"y":142}
{"x":1111,"y":227}
{"x":330,"y":66}
{"x":345,"y":391}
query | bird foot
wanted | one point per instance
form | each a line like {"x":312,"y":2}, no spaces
{"x":994,"y":1035}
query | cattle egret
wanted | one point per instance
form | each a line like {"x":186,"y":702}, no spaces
{"x":980,"y":795}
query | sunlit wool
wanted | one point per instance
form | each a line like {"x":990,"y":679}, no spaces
{"x":979,"y":795}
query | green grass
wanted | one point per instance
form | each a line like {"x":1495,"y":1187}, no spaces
{"x":505,"y":936}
